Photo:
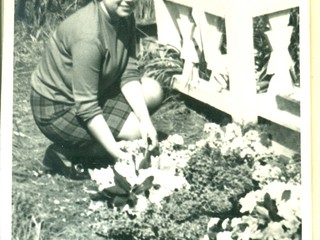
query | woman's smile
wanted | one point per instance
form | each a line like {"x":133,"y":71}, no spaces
{"x":119,"y":8}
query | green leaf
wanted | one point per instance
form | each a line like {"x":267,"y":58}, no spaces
{"x":146,"y":161}
{"x":146,"y":185}
{"x":100,"y":196}
{"x":270,"y":204}
{"x":132,"y":200}
{"x":286,"y":195}
{"x":120,"y":201}
{"x":115,"y":191}
{"x":121,"y":181}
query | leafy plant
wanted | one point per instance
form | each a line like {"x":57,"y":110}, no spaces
{"x":122,"y":193}
{"x":217,"y":181}
{"x":159,"y":61}
{"x":294,"y":47}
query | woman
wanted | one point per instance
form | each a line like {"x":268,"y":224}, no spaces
{"x":86,"y":91}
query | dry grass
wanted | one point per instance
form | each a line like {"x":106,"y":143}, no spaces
{"x":145,"y":12}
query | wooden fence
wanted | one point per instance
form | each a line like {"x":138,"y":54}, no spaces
{"x":193,"y":26}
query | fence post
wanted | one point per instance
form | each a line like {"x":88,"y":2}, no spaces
{"x":168,"y":32}
{"x":241,"y":67}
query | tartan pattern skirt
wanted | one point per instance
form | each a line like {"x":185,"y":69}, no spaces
{"x":60,"y":124}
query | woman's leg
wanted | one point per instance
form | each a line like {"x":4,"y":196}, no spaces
{"x":153,"y":95}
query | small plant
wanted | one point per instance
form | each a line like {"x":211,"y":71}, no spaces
{"x":123,"y":193}
{"x":131,"y":186}
{"x":159,"y":61}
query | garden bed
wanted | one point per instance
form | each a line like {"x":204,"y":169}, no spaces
{"x":236,"y":185}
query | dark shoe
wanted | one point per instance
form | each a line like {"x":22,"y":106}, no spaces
{"x":56,"y":162}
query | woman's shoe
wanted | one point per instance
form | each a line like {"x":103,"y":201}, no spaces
{"x":56,"y":162}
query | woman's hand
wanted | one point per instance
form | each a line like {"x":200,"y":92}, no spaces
{"x":124,"y":156}
{"x":101,"y":131}
{"x":149,"y":134}
{"x":134,"y":95}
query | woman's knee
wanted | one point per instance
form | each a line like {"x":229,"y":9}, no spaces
{"x":130,"y":129}
{"x":153,"y":92}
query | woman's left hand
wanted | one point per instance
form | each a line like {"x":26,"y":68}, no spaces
{"x":149,"y":134}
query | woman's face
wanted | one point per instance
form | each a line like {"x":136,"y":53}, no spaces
{"x":119,"y":8}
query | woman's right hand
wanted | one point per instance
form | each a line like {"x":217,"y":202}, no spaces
{"x":101,"y":131}
{"x":124,"y":156}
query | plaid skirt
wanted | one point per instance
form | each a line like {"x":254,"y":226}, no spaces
{"x":60,"y":123}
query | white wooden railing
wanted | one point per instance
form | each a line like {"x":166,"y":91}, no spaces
{"x":181,"y":22}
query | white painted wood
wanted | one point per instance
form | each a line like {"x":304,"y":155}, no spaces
{"x":263,"y":7}
{"x":215,"y":7}
{"x":166,"y":15}
{"x":280,"y":59}
{"x":241,"y":67}
{"x":241,"y":101}
{"x":211,"y":37}
{"x":204,"y":91}
{"x":266,"y":110}
{"x":186,"y":27}
{"x":253,"y":7}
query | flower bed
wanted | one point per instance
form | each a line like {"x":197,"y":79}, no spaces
{"x":229,"y":185}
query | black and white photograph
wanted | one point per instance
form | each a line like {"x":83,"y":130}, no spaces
{"x":155,"y":119}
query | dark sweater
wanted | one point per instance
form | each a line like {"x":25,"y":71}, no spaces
{"x":85,"y":56}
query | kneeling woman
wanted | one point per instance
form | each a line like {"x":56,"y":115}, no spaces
{"x":86,"y":91}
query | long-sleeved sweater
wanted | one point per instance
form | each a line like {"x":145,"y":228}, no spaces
{"x":87,"y":54}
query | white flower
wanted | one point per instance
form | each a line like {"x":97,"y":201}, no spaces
{"x":274,"y":231}
{"x":211,"y":127}
{"x":262,"y":211}
{"x":201,"y":143}
{"x":192,"y":147}
{"x":252,"y":135}
{"x":142,"y":204}
{"x":225,"y":223}
{"x":237,"y":143}
{"x":104,"y":177}
{"x":235,"y":222}
{"x":260,"y":149}
{"x":168,"y":183}
{"x":264,"y":174}
{"x":246,"y":151}
{"x":155,"y":162}
{"x":224,"y":235}
{"x":96,"y":205}
{"x":205,"y":237}
{"x":166,"y":163}
{"x":245,"y":235}
{"x":232,"y":131}
{"x":212,"y":222}
{"x":176,"y":139}
{"x":249,"y":202}
{"x":127,"y":170}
